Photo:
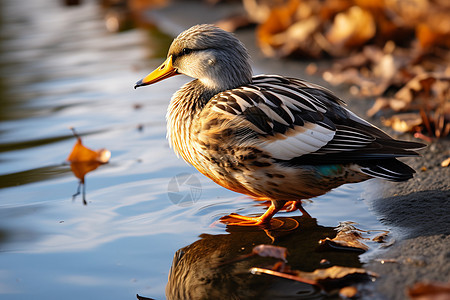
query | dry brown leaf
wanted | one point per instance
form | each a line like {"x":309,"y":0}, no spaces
{"x":349,"y":24}
{"x":373,"y":70}
{"x":346,"y":240}
{"x":426,"y":36}
{"x":351,"y":238}
{"x":429,"y":291}
{"x":84,"y":160}
{"x":445,"y":163}
{"x":279,"y":20}
{"x":428,"y":93}
{"x":404,"y":122}
{"x":410,"y":11}
{"x":259,"y":10}
{"x":352,"y":28}
{"x":404,"y":58}
{"x":291,"y":29}
{"x":80,"y":153}
{"x":381,"y":237}
{"x":80,"y":169}
{"x":379,"y":104}
{"x":329,"y":9}
{"x":335,"y":272}
{"x":320,"y":277}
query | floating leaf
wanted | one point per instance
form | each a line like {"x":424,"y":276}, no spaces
{"x":81,"y":168}
{"x":80,"y":153}
{"x":351,"y":238}
{"x":84,"y":160}
{"x":346,"y":240}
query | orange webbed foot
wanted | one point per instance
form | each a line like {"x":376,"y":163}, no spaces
{"x":294,"y":205}
{"x":264,"y":220}
{"x":235,"y":219}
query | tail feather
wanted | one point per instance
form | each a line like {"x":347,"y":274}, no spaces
{"x":389,"y":169}
{"x":405,"y":145}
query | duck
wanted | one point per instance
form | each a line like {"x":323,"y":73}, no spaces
{"x":270,"y":137}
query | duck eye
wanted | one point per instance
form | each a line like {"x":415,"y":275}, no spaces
{"x":186,"y":51}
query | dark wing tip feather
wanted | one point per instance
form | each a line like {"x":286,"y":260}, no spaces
{"x":401,"y":148}
{"x":389,"y":169}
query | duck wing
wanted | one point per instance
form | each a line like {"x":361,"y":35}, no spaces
{"x":299,"y":122}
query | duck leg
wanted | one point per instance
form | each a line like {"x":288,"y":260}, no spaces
{"x":264,"y":219}
{"x":294,"y":205}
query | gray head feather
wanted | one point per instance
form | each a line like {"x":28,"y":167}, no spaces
{"x":214,"y":56}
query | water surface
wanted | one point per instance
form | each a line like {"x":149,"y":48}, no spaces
{"x":61,"y":68}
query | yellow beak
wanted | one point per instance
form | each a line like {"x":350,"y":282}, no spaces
{"x":165,"y":70}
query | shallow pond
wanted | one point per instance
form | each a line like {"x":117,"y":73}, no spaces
{"x":61,"y":68}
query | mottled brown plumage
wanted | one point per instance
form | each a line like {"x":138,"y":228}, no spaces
{"x":269,"y":137}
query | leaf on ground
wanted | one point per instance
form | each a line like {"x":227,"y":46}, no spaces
{"x":427,"y":92}
{"x":404,"y":122}
{"x":445,"y":163}
{"x":351,"y":28}
{"x":289,"y":29}
{"x":429,"y":291}
{"x":393,"y":49}
{"x":373,"y":71}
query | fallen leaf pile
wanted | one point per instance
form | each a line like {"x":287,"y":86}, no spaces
{"x":392,"y":49}
{"x":318,"y":28}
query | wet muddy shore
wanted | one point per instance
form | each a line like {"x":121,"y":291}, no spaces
{"x":417,"y":211}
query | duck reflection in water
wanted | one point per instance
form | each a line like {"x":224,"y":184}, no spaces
{"x":216,"y":266}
